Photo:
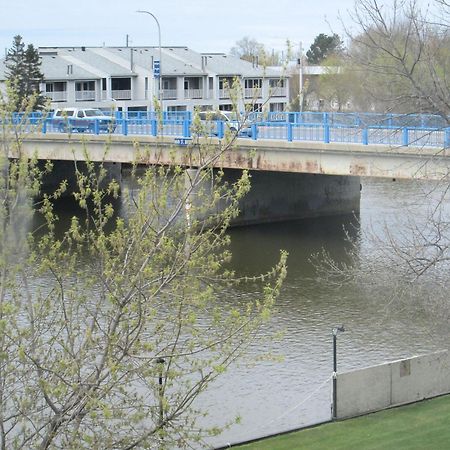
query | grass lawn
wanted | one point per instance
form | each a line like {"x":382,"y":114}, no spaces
{"x":424,"y":426}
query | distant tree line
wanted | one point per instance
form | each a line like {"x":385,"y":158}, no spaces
{"x":397,"y":60}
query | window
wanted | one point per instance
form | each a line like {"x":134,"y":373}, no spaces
{"x":277,"y":82}
{"x":225,"y":83}
{"x":81,"y":86}
{"x":177,"y":108}
{"x":253,"y":83}
{"x":120,"y":84}
{"x":64,"y":113}
{"x":137,"y":108}
{"x":169,"y":83}
{"x":277,"y":107}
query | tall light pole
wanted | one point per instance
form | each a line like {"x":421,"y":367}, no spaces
{"x":300,"y":79}
{"x":335,"y":333}
{"x":160,"y":59}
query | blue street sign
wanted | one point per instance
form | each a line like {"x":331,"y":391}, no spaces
{"x":156,"y":68}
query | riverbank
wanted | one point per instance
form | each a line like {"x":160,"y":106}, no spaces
{"x":422,"y":425}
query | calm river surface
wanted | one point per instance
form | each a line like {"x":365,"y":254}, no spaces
{"x":274,"y":396}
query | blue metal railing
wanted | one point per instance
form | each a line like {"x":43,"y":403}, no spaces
{"x":351,"y":128}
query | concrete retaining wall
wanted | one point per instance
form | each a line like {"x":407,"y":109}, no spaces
{"x":404,"y":381}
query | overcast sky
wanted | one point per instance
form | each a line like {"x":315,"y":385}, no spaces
{"x":202,"y":25}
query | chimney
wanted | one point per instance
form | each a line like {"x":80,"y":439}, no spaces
{"x":204,"y":62}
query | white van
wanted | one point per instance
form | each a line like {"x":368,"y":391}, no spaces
{"x":82,"y":119}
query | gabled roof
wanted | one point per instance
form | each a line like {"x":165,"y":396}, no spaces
{"x":82,"y":63}
{"x":144,"y":56}
{"x":224,"y":64}
{"x":56,"y":67}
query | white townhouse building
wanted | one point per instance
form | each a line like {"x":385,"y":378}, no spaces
{"x":123,"y":78}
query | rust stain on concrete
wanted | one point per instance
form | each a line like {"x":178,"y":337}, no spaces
{"x":312,"y":166}
{"x":358,"y":169}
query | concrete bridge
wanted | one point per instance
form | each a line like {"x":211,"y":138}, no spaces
{"x":343,"y":159}
{"x":290,"y":180}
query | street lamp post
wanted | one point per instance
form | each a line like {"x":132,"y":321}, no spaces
{"x":300,"y":79}
{"x":160,"y":362}
{"x":160,"y":58}
{"x":334,"y":406}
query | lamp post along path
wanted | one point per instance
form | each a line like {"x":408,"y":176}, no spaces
{"x":334,"y":405}
{"x":160,"y":94}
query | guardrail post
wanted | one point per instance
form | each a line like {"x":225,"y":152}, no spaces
{"x":125,"y":127}
{"x":405,"y":136}
{"x":219,"y":125}
{"x":44,"y":126}
{"x":154,"y":127}
{"x":289,"y":132}
{"x":186,"y":128}
{"x":325,"y":118}
{"x":254,"y":131}
{"x":447,"y":138}
{"x":96,"y":127}
{"x":326,"y":133}
{"x":390,"y":120}
{"x":365,"y":136}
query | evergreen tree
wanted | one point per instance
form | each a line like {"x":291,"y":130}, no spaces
{"x":24,"y":74}
{"x":324,"y":46}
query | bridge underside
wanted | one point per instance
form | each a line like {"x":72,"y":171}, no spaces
{"x":273,"y":197}
{"x":280,"y":196}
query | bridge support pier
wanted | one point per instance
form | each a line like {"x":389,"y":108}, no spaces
{"x":280,"y":196}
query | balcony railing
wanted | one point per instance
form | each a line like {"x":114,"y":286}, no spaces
{"x":193,"y":93}
{"x":123,"y":94}
{"x":58,"y":96}
{"x":278,"y":91}
{"x":224,"y":93}
{"x":169,"y":94}
{"x":253,"y":92}
{"x":82,"y":96}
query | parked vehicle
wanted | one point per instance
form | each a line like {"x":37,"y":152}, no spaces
{"x":81,"y":120}
{"x":233,"y":122}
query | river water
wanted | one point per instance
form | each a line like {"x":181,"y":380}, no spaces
{"x":274,"y":396}
{"x":293,"y":389}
